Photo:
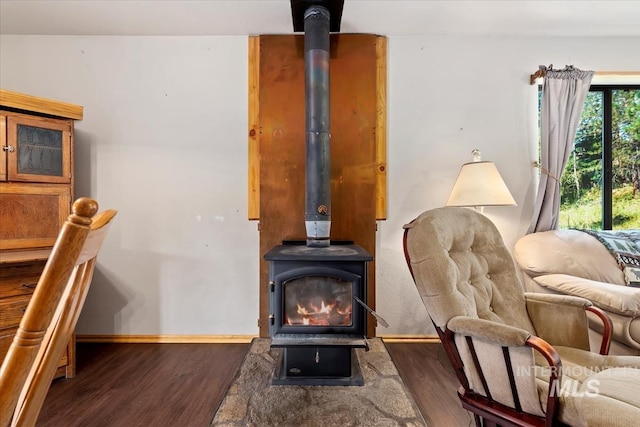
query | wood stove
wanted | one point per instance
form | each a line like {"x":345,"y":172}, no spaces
{"x":317,"y":287}
{"x":315,"y":317}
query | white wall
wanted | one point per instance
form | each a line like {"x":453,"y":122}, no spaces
{"x":164,"y":141}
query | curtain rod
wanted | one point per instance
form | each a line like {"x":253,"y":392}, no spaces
{"x":541,"y":73}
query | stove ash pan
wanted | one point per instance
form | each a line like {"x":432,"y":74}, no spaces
{"x":313,"y":295}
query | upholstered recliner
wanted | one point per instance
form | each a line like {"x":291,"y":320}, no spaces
{"x":521,"y":359}
{"x":575,"y":263}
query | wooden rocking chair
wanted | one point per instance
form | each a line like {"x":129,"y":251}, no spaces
{"x":51,"y":316}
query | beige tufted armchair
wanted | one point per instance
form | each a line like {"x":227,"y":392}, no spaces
{"x":521,"y":358}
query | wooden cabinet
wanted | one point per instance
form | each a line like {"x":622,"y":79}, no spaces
{"x":36,"y":191}
{"x":32,"y":214}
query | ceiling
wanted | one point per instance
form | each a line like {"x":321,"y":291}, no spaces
{"x":385,"y":17}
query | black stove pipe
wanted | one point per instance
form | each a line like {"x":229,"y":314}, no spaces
{"x":318,"y":164}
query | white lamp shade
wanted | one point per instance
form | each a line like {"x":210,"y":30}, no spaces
{"x":480,"y":184}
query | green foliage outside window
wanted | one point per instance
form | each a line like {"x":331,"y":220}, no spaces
{"x":582,"y":180}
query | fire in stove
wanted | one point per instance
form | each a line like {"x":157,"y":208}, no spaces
{"x":317,"y":301}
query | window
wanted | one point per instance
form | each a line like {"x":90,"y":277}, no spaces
{"x":600,"y":186}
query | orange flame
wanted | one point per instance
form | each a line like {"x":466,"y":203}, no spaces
{"x":327,"y":314}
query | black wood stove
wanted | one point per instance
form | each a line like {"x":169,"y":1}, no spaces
{"x":317,"y":287}
{"x":315,"y":316}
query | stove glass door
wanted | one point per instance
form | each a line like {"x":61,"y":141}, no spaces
{"x":317,"y":301}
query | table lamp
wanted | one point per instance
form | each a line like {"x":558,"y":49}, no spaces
{"x":479,"y":184}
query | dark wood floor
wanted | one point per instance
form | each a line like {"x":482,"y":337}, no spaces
{"x":426,"y":372}
{"x":181,"y":385}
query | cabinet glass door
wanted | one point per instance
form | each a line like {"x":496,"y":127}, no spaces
{"x":39,"y":150}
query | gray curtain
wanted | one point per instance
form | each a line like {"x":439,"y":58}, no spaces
{"x":563,"y":95}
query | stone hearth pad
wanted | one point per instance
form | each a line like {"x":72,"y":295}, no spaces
{"x":383,"y":400}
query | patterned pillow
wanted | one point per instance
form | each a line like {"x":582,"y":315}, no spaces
{"x":624,"y":245}
{"x":632,"y":274}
